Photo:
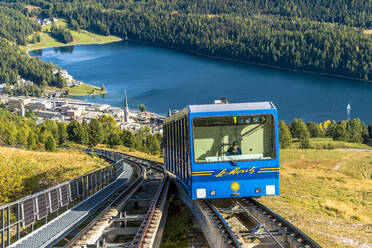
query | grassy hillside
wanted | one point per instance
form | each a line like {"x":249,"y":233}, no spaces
{"x":81,"y":90}
{"x":320,"y":143}
{"x":24,"y":172}
{"x":327,"y":194}
{"x":85,"y":89}
{"x":80,"y":37}
{"x":124,"y":149}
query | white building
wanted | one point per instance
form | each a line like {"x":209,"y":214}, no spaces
{"x":40,"y":105}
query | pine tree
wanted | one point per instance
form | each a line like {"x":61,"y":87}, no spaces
{"x":314,"y":129}
{"x":142,"y":107}
{"x":62,"y":133}
{"x":299,"y":129}
{"x":22,"y":137}
{"x":84,"y":133}
{"x":305,"y":143}
{"x":31,"y":141}
{"x":153,"y":146}
{"x":114,"y":139}
{"x":50,"y":144}
{"x":356,"y":129}
{"x":127,"y":138}
{"x":340,"y":133}
{"x":285,"y":137}
{"x":73,"y":130}
{"x":96,"y":134}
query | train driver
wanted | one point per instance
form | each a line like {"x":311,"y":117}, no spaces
{"x":234,"y":149}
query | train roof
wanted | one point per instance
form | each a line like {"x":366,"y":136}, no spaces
{"x":230,"y":107}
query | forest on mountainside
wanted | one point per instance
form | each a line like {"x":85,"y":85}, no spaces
{"x":15,"y":29}
{"x":316,"y":36}
{"x":14,"y":62}
{"x":300,"y":35}
{"x":61,"y":34}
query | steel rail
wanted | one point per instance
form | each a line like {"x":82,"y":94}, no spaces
{"x":128,"y":189}
{"x":163,"y":189}
{"x":233,"y":237}
{"x":290,"y":227}
{"x":302,"y":237}
{"x":258,"y":222}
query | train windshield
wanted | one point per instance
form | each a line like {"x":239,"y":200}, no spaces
{"x":234,"y":138}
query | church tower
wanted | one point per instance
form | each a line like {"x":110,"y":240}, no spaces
{"x":126,"y":108}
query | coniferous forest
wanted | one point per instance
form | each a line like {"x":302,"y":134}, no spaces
{"x":316,"y":36}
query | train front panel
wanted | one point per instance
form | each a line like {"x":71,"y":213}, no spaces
{"x":234,"y":154}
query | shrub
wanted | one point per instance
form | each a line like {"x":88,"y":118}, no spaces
{"x":305,"y":143}
{"x":50,"y":144}
{"x":285,"y":137}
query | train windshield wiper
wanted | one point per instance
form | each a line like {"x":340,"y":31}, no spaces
{"x":232,"y":160}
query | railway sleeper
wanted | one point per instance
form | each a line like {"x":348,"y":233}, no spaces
{"x":287,"y":237}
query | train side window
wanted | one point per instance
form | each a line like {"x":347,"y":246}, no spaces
{"x":188,"y":154}
{"x":174,"y":147}
{"x":180,"y":147}
{"x":183,"y":149}
{"x":188,"y":167}
{"x":171,"y":146}
{"x":165,"y":147}
{"x":167,"y":144}
{"x":177,"y":151}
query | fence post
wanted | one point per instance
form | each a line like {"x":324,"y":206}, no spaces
{"x":8,"y":226}
{"x":2,"y":228}
{"x":18,"y":211}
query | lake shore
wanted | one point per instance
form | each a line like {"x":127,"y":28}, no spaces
{"x":149,"y":73}
{"x":80,"y":37}
{"x":71,"y":44}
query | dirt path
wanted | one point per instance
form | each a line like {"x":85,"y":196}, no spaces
{"x":361,"y":153}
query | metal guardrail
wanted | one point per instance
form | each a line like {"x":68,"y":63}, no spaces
{"x":19,"y":218}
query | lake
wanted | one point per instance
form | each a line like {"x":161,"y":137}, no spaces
{"x":165,"y":79}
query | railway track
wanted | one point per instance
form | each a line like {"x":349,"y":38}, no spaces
{"x":230,"y":239}
{"x":252,"y":224}
{"x":111,"y":226}
{"x":131,"y":216}
{"x":244,"y":222}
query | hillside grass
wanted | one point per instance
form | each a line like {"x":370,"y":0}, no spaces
{"x":327,"y":194}
{"x":84,"y":90}
{"x":320,"y":143}
{"x":81,"y":90}
{"x":23,"y":172}
{"x":79,"y":37}
{"x":122,"y":149}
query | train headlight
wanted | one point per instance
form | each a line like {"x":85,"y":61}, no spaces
{"x":270,"y":189}
{"x":201,"y":193}
{"x":213,"y":192}
{"x":235,"y":186}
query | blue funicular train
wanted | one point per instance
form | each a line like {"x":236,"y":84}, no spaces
{"x":224,"y":150}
